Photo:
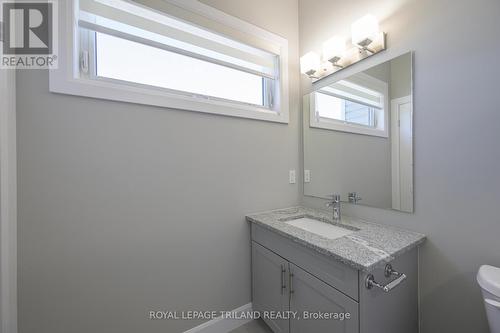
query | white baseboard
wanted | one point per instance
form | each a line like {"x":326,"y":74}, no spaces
{"x":223,"y":325}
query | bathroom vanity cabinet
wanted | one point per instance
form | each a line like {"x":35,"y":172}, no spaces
{"x":290,"y":278}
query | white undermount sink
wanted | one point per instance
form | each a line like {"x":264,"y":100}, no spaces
{"x":324,"y":229}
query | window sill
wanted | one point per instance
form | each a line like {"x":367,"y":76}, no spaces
{"x":333,"y":125}
{"x":104,"y":89}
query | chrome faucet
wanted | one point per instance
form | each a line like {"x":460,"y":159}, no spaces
{"x":335,"y":204}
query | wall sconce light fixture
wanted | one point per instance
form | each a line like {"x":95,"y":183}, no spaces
{"x":366,"y":40}
{"x":334,"y":49}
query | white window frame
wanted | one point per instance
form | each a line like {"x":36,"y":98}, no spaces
{"x":339,"y":125}
{"x":67,"y":79}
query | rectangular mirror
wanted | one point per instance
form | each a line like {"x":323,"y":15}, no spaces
{"x":358,"y":137}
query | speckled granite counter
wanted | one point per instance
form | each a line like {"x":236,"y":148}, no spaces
{"x":368,"y":247}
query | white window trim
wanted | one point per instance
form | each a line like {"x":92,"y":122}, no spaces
{"x":65,"y":79}
{"x":339,"y":125}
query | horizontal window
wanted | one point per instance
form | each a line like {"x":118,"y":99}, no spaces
{"x":328,"y":106}
{"x":178,"y":56}
{"x":356,"y":105}
{"x":156,"y":67}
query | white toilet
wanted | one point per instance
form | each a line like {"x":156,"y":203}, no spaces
{"x":488,"y":278}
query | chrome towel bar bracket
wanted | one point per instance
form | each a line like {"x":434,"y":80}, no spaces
{"x":389,"y":271}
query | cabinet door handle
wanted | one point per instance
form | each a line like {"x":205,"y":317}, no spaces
{"x":283,"y":284}
{"x":291,"y":282}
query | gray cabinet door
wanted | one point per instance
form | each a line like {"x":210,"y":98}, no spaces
{"x":309,"y":295}
{"x":269,"y":286}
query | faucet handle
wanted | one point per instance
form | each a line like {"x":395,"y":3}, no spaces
{"x":335,"y":197}
{"x":335,"y":200}
{"x":354,"y":197}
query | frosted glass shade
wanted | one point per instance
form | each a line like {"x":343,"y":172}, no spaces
{"x":334,"y":48}
{"x":310,"y":63}
{"x":364,"y":30}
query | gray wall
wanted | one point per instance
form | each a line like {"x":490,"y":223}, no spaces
{"x":381,"y":72}
{"x":126,"y":208}
{"x":401,"y":77}
{"x":457,"y":129}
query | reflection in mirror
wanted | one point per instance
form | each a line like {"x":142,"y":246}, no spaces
{"x":358,"y":137}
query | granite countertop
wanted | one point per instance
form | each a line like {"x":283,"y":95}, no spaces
{"x":370,"y":246}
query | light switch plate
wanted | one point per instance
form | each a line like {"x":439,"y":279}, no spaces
{"x":307,"y":176}
{"x":292,"y":177}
